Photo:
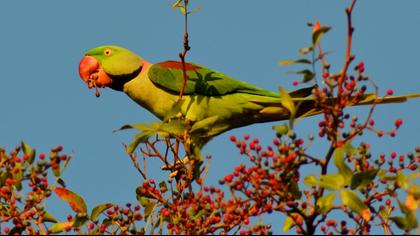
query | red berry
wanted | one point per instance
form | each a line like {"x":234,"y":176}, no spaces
{"x":331,"y":223}
{"x":325,"y":75}
{"x":393,"y":154}
{"x":401,"y":158}
{"x":389,"y":92}
{"x":361,"y":67}
{"x":295,"y":83}
{"x":232,"y":138}
{"x":388,"y":202}
{"x":165,"y":212}
{"x":371,"y":122}
{"x":392,"y":133}
{"x":228,"y":178}
{"x":252,"y":145}
{"x":246,"y":136}
{"x":42,"y":156}
{"x":398,"y":122}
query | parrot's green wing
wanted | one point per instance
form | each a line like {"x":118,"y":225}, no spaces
{"x":201,"y":81}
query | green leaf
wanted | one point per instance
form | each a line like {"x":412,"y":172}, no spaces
{"x":401,"y":222}
{"x":351,"y":200}
{"x":307,"y":75}
{"x":28,"y":151}
{"x":31,"y":156}
{"x":162,"y":184}
{"x":148,"y":205}
{"x":25,"y":148}
{"x":96,"y":211}
{"x":56,"y":171}
{"x":331,"y":181}
{"x":325,"y":203}
{"x":80,"y":220}
{"x":410,"y":216}
{"x":47,"y":217}
{"x":289,"y":223}
{"x":317,"y":35}
{"x":310,"y":180}
{"x":286,"y":101}
{"x":281,"y":129}
{"x":362,"y":179}
{"x":59,"y":227}
{"x":3,"y":176}
{"x":384,"y":213}
{"x":75,"y":201}
{"x":343,"y":169}
{"x":197,"y":9}
{"x":292,"y":62}
{"x":67,"y":161}
{"x":349,"y":149}
{"x":402,"y":180}
{"x":180,"y":4}
{"x":139,"y":138}
{"x":18,"y":176}
{"x":305,"y":51}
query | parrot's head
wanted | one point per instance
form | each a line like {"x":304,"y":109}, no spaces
{"x":109,"y":66}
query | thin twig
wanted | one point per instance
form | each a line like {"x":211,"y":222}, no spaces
{"x":184,"y":52}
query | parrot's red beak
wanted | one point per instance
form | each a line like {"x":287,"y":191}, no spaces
{"x":91,"y":73}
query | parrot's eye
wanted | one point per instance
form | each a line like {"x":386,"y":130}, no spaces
{"x":107,"y":52}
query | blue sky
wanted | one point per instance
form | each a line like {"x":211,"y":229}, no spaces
{"x":44,"y":103}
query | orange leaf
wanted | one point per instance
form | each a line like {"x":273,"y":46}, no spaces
{"x":366,"y":214}
{"x":317,"y":25}
{"x":412,"y":203}
{"x":75,"y":201}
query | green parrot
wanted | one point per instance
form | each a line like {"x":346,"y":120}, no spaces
{"x":215,"y":99}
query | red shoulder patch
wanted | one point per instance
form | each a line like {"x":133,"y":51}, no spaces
{"x":178,"y":65}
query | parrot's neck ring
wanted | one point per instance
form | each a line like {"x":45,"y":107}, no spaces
{"x":118,"y":81}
